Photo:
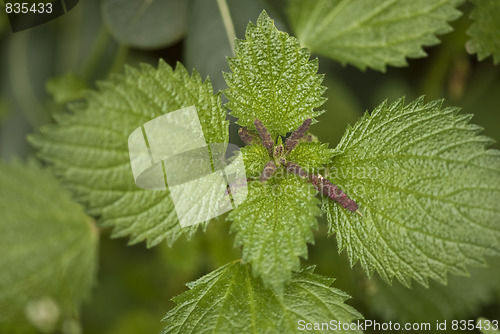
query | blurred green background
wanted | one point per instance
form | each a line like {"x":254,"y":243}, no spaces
{"x":44,"y":68}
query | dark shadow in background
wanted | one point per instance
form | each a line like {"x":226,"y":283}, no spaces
{"x":22,"y":21}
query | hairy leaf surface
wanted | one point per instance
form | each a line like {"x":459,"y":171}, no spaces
{"x":274,"y":226}
{"x":485,"y":31}
{"x":231,"y":300}
{"x":428,"y":189}
{"x":48,"y":244}
{"x":272,"y":79}
{"x":89,"y":147}
{"x":255,"y":158}
{"x":311,"y":156}
{"x":371,"y":33}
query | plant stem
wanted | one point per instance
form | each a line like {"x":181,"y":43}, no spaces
{"x":119,"y":61}
{"x":95,"y":53}
{"x":228,"y":22}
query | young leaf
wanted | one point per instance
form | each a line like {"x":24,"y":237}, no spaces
{"x":255,"y":158}
{"x":428,"y":190}
{"x":89,"y":147}
{"x":66,"y":88}
{"x":371,"y":33}
{"x":48,"y":246}
{"x":273,"y":80}
{"x":311,"y":156}
{"x":274,"y":226}
{"x":231,"y":300}
{"x":485,"y":31}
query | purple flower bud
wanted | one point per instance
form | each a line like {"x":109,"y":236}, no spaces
{"x":294,"y":138}
{"x":246,"y":136}
{"x":292,"y":167}
{"x":264,"y":135}
{"x":329,"y":189}
{"x":268,"y":171}
{"x":278,"y":151}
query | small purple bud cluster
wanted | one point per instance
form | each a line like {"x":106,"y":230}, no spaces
{"x":267,"y":141}
{"x":329,"y":189}
{"x":294,"y":138}
{"x":278,"y":153}
{"x":246,"y":136}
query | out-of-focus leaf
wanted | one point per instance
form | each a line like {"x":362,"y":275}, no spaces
{"x":485,"y":31}
{"x":48,"y":248}
{"x":66,"y":88}
{"x":461,"y":298}
{"x":146,"y":24}
{"x":483,"y":100}
{"x":371,"y":33}
{"x":207,"y":46}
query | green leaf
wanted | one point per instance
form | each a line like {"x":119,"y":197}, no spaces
{"x":311,"y":156}
{"x":231,"y":300}
{"x":148,"y":24}
{"x":48,"y":247}
{"x":66,"y":88}
{"x":274,"y":225}
{"x":206,"y":45}
{"x":485,"y":31}
{"x":255,"y":158}
{"x":89,"y":147}
{"x":428,"y":189}
{"x":461,"y":298}
{"x":272,"y":79}
{"x":371,"y":33}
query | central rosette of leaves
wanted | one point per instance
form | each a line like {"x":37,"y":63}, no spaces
{"x":273,"y":90}
{"x":279,"y":152}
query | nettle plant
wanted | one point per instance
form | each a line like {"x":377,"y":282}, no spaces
{"x":411,"y":191}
